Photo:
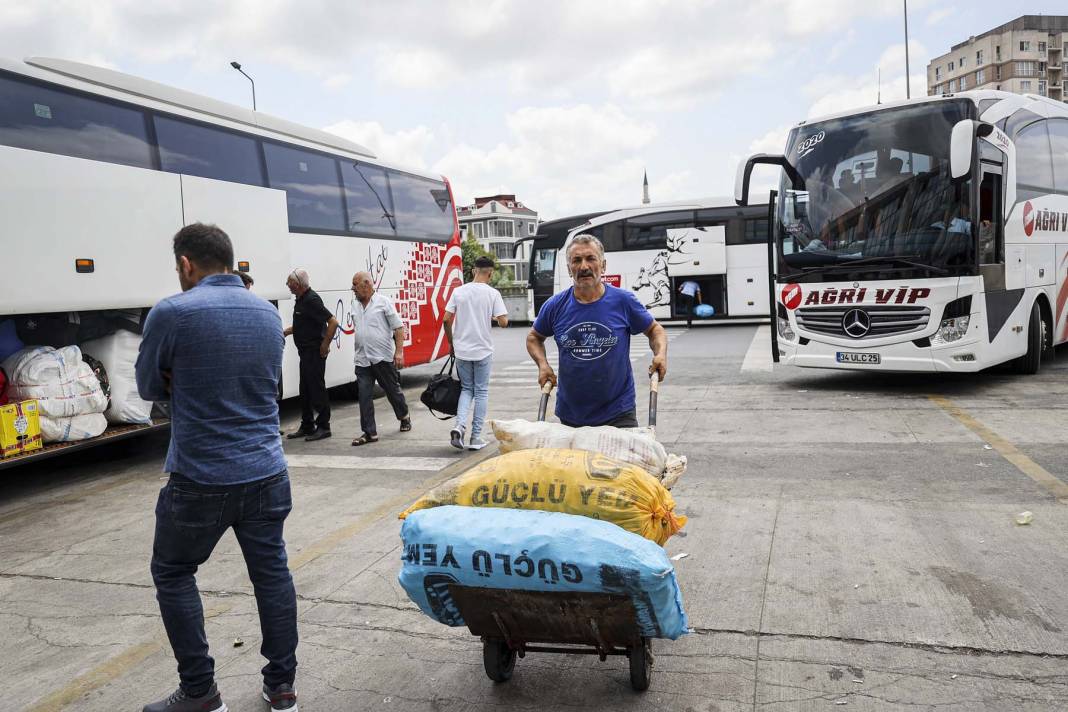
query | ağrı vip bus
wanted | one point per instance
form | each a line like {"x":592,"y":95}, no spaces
{"x":925,"y":235}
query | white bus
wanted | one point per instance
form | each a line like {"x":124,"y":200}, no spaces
{"x":925,"y":235}
{"x":653,"y":249}
{"x":99,"y":169}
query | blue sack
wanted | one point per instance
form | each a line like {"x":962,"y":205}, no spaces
{"x":535,"y":551}
{"x":704,"y":311}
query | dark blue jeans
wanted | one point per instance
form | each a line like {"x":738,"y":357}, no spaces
{"x":190,"y":520}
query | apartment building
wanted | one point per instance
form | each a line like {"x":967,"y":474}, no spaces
{"x":1025,"y":56}
{"x":498,"y":222}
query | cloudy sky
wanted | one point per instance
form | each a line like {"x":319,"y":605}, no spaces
{"x":564,"y":103}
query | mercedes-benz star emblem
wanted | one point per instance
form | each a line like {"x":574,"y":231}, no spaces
{"x":856,"y":323}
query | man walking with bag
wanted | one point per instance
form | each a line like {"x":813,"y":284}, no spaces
{"x":214,"y":352}
{"x":468,"y":314}
{"x":379,"y":340}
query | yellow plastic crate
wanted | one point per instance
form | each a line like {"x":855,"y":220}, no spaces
{"x":20,"y":428}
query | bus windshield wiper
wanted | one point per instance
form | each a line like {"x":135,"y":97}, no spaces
{"x":385,"y":211}
{"x":907,"y":260}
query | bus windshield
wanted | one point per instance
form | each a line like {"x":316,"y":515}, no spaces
{"x":877,"y":196}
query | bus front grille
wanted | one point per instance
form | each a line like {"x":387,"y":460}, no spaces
{"x":884,"y":320}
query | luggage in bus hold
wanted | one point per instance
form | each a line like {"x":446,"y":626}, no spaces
{"x":55,"y":330}
{"x":20,"y":428}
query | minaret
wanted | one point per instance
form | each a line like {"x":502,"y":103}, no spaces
{"x":645,"y":188}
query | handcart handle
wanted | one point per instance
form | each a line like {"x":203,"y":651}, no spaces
{"x":654,"y":391}
{"x":544,"y":404}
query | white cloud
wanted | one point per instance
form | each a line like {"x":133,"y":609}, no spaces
{"x":407,"y":147}
{"x":636,"y":50}
{"x":938,"y":15}
{"x":560,"y":160}
{"x":337,"y":81}
{"x":832,"y":94}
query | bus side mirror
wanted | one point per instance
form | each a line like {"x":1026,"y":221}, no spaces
{"x":745,"y":171}
{"x":961,"y":149}
{"x":963,"y":145}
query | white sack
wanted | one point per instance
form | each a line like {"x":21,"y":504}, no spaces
{"x":636,"y":446}
{"x":118,"y":353}
{"x":80,"y":427}
{"x":63,"y":385}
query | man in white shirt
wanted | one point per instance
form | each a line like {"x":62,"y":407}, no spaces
{"x":468,"y":314}
{"x":379,"y":340}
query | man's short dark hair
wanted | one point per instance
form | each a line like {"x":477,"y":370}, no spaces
{"x":206,"y":245}
{"x":246,"y":278}
{"x":484,"y":262}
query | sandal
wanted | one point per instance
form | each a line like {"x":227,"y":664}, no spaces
{"x":364,"y":439}
{"x":406,"y":424}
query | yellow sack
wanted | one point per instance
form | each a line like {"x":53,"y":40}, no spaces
{"x":568,"y":481}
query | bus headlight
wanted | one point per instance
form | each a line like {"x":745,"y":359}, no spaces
{"x":951,"y":330}
{"x":785,"y":332}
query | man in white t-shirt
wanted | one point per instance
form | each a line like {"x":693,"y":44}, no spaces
{"x":468,"y":314}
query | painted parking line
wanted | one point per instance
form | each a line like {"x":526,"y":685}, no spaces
{"x":118,"y":665}
{"x":111,"y":669}
{"x":352,"y":462}
{"x":758,"y":357}
{"x":1006,"y":449}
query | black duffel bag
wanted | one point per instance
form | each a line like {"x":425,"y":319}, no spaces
{"x":442,"y":394}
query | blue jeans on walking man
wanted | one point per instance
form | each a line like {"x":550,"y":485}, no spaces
{"x":474,"y":386}
{"x":190,"y":520}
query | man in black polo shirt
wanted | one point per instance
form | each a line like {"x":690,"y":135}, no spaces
{"x":313,"y":329}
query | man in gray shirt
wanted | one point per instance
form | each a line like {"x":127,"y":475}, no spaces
{"x":379,"y":341}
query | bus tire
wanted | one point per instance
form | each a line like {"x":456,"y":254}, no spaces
{"x":1030,"y":362}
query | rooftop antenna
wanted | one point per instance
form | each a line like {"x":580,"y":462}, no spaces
{"x":908,"y":91}
{"x":879,"y":85}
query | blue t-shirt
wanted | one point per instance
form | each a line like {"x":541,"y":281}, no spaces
{"x":596,"y":382}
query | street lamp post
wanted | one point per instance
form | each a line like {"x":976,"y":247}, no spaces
{"x":237,"y":66}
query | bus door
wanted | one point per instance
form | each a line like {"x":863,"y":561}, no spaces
{"x":699,"y":254}
{"x":991,"y":235}
{"x":542,"y":274}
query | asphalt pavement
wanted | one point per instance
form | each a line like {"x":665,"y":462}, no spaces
{"x":851,"y":545}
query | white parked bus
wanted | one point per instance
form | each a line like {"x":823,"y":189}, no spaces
{"x":99,"y":169}
{"x":925,"y":235}
{"x":653,"y":249}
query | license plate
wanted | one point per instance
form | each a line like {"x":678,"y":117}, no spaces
{"x":850,"y":357}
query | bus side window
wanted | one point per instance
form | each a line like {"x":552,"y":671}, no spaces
{"x":649,"y":232}
{"x":735,"y":230}
{"x":1058,"y":139}
{"x":610,"y":235}
{"x":991,"y":236}
{"x":424,"y":210}
{"x":756,"y":231}
{"x":310,"y":180}
{"x":205,"y":151}
{"x":1034,"y":164}
{"x":57,"y":120}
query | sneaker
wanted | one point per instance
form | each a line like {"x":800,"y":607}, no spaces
{"x":282,"y":698}
{"x":456,"y":437}
{"x":179,"y":701}
{"x":476,"y":443}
